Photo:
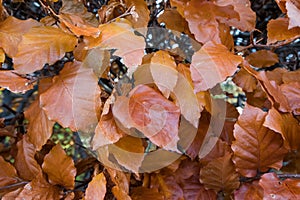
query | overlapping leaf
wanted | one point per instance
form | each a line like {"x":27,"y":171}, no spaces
{"x":274,"y":188}
{"x":96,"y":188}
{"x":69,"y":102}
{"x":211,"y":65}
{"x":11,"y":32}
{"x":292,"y":91}
{"x":138,"y":193}
{"x":293,"y":12}
{"x":8,"y":173}
{"x":142,"y":12}
{"x":14,"y":82}
{"x":262,"y":58}
{"x":59,"y":167}
{"x":50,"y":44}
{"x":249,"y":191}
{"x":256,"y":147}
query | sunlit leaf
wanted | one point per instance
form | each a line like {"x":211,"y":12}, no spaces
{"x":211,"y":65}
{"x":120,"y":194}
{"x":292,"y":92}
{"x":13,"y":82}
{"x":220,"y":174}
{"x":96,"y":188}
{"x":274,"y":188}
{"x":50,"y":44}
{"x":262,"y":58}
{"x":69,"y":102}
{"x":278,"y":30}
{"x":256,"y":147}
{"x":2,"y":55}
{"x":156,"y":117}
{"x":142,"y":11}
{"x":25,"y":162}
{"x":59,"y":167}
{"x":293,"y":12}
{"x":11,"y":32}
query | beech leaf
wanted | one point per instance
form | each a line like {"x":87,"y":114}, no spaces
{"x":8,"y":174}
{"x":142,"y":11}
{"x":220,"y":174}
{"x":256,"y":147}
{"x":274,"y":188}
{"x":262,"y":58}
{"x":249,"y":191}
{"x":63,"y":175}
{"x":96,"y":188}
{"x":69,"y":102}
{"x":211,"y":65}
{"x":293,"y":12}
{"x":50,"y":44}
{"x":13,"y":82}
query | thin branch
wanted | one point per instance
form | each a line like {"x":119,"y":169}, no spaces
{"x":296,"y":176}
{"x":13,"y":186}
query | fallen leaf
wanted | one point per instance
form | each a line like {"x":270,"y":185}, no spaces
{"x":63,"y":175}
{"x":50,"y":45}
{"x":2,"y":56}
{"x":249,"y":191}
{"x":293,"y":12}
{"x":220,"y":175}
{"x":25,"y":163}
{"x":11,"y":32}
{"x":274,"y":188}
{"x":96,"y":188}
{"x":139,"y":193}
{"x":292,"y":92}
{"x":244,"y":80}
{"x":262,"y":58}
{"x":142,"y":11}
{"x":211,"y":65}
{"x":13,"y":82}
{"x":256,"y":148}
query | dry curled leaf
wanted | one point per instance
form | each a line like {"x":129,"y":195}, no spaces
{"x":96,"y":188}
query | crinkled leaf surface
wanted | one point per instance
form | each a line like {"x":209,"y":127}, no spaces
{"x":13,"y":82}
{"x":96,"y":188}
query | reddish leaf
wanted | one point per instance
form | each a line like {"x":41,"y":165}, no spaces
{"x":203,"y":18}
{"x":277,"y":189}
{"x":40,"y":189}
{"x":119,"y":35}
{"x":293,"y":12}
{"x":8,"y":174}
{"x":256,"y":147}
{"x":120,"y":179}
{"x":291,"y":76}
{"x":292,"y":92}
{"x":96,"y":188}
{"x":286,"y":125}
{"x":278,"y":30}
{"x":25,"y":163}
{"x":211,"y":65}
{"x":247,"y":19}
{"x":140,"y":193}
{"x":220,"y":174}
{"x":11,"y":32}
{"x":40,"y":127}
{"x":50,"y":44}
{"x":63,"y":175}
{"x":156,"y":117}
{"x":262,"y":58}
{"x":249,"y":191}
{"x":13,"y":82}
{"x":120,"y":194}
{"x":69,"y":102}
{"x":142,"y":11}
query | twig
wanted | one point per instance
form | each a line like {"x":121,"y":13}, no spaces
{"x":284,"y":176}
{"x":13,"y":186}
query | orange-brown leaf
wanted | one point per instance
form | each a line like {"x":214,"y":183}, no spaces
{"x":256,"y":147}
{"x":220,"y":175}
{"x":96,"y":188}
{"x":278,"y":30}
{"x":274,"y":188}
{"x":140,"y":193}
{"x":11,"y":32}
{"x":13,"y":82}
{"x":154,"y":115}
{"x":249,"y":191}
{"x":292,"y":92}
{"x":25,"y":163}
{"x":8,"y":174}
{"x":69,"y":102}
{"x":262,"y":58}
{"x":50,"y":44}
{"x":211,"y":65}
{"x":40,"y":189}
{"x":2,"y":55}
{"x":286,"y":125}
{"x":142,"y":11}
{"x":204,"y":17}
{"x":59,"y":167}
